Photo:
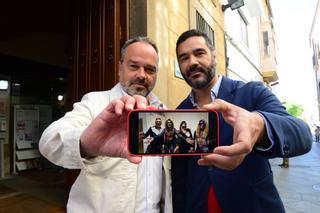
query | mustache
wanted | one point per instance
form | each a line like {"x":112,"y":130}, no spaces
{"x":195,"y":68}
{"x":140,"y":82}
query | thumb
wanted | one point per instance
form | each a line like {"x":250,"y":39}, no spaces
{"x":229,"y":111}
{"x":134,"y":159}
{"x":218,"y":105}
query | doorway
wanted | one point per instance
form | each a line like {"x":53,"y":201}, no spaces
{"x":52,"y":53}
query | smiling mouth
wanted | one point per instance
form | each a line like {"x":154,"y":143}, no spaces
{"x":195,"y":74}
{"x":138,"y":85}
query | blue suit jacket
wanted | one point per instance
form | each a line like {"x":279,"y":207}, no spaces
{"x":250,"y":187}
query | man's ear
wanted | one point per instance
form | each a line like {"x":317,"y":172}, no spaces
{"x":213,"y":53}
{"x":213,"y":56}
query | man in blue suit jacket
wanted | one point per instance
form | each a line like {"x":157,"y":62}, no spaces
{"x":254,"y":126}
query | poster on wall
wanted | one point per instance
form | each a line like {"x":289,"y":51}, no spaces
{"x":26,"y":136}
{"x":3,"y":103}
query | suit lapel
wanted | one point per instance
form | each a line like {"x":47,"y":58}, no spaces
{"x":226,"y":90}
{"x":226,"y":93}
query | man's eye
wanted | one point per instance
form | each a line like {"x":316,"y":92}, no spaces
{"x":150,"y":70}
{"x":199,"y":53}
{"x":183,"y":58}
{"x":133,"y":67}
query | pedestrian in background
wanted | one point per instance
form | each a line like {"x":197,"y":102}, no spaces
{"x":317,"y":134}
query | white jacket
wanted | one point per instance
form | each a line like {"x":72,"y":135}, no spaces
{"x":105,"y":184}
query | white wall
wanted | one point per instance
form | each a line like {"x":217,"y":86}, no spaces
{"x":244,"y":59}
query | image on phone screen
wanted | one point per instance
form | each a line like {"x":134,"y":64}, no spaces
{"x":176,"y":132}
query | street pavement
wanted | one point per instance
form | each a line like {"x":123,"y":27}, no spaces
{"x":299,"y":185}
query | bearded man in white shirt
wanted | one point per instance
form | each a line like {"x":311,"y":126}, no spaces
{"x":92,"y":137}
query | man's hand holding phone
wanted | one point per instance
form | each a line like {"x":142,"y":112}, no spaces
{"x":107,"y":135}
{"x":248,"y":129}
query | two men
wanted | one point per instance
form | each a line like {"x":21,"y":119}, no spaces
{"x":253,"y":128}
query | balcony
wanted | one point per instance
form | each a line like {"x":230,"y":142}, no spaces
{"x":270,"y":76}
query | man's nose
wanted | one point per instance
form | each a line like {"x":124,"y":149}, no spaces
{"x":141,"y":73}
{"x":193,"y":60}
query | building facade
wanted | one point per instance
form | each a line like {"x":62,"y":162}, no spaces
{"x":315,"y":45}
{"x":250,"y":39}
{"x":74,"y":48}
{"x":244,"y":40}
{"x":173,"y":18}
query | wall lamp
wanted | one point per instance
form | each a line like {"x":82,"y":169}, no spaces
{"x":233,"y":4}
{"x":4,"y":84}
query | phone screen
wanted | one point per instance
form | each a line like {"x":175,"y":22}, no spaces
{"x":172,"y":132}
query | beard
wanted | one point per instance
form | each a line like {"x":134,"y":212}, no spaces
{"x":130,"y":88}
{"x":200,"y":82}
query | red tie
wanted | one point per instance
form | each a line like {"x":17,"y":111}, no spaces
{"x":213,"y":205}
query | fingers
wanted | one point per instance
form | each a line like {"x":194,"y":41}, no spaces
{"x":247,"y":128}
{"x":127,"y":103}
{"x":116,"y":106}
{"x":141,"y":102}
{"x":234,"y":149}
{"x":226,"y":157}
{"x":218,"y":105}
{"x":220,"y":161}
{"x":134,"y":159}
{"x":229,"y":111}
{"x":136,"y":101}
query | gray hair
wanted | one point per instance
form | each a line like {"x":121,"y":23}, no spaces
{"x":134,"y":40}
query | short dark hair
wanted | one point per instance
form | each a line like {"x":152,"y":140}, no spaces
{"x":134,"y":40}
{"x":193,"y":32}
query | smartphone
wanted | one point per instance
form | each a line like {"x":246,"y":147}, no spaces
{"x":172,"y":132}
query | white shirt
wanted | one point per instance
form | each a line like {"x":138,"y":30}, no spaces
{"x":156,"y":131}
{"x":105,"y":184}
{"x":149,"y":188}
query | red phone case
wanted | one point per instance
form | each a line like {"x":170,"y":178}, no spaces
{"x":166,"y":142}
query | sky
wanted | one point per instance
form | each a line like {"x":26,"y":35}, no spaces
{"x":293,"y":21}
